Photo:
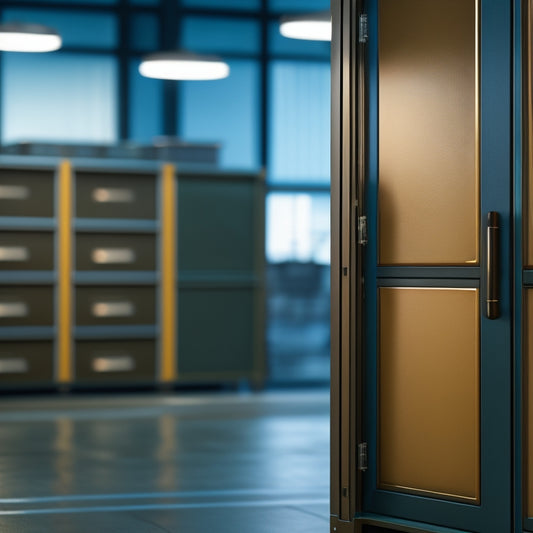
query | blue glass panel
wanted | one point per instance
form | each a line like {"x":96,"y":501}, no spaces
{"x":297,"y":227}
{"x":144,"y":32}
{"x":145,"y":107}
{"x":145,"y":2}
{"x":226,"y":112}
{"x":277,"y":44}
{"x":207,"y":34}
{"x":225,"y":4}
{"x":59,"y":97}
{"x":77,"y":28}
{"x":298,"y":295}
{"x":305,"y":6}
{"x":299,"y":132}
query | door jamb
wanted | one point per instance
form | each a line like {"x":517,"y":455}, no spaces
{"x":347,"y":169}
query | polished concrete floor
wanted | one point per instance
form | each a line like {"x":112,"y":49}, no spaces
{"x":187,"y":463}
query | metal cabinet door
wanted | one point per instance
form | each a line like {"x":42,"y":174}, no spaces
{"x":431,"y":281}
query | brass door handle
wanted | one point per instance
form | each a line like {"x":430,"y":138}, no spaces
{"x":493,"y":265}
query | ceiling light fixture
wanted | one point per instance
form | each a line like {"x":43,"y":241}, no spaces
{"x":183,"y":66}
{"x":22,"y":37}
{"x":312,"y":27}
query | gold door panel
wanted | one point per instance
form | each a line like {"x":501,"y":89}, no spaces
{"x":429,"y":392}
{"x":428,"y":132}
{"x":528,"y":411}
{"x":528,"y":136}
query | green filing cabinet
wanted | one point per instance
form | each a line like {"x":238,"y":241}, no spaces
{"x":28,"y":285}
{"x":220,"y":277}
{"x":116,"y":273}
{"x":116,"y":268}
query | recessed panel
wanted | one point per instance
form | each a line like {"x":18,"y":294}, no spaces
{"x":27,"y":362}
{"x":115,"y":361}
{"x":26,"y":193}
{"x":102,"y":251}
{"x":26,"y":250}
{"x":528,"y":186}
{"x":216,"y":223}
{"x":428,"y":132}
{"x":429,"y":392}
{"x":101,"y":195}
{"x":215,"y":332}
{"x":26,"y":306}
{"x":113,"y":306}
{"x":528,"y":456}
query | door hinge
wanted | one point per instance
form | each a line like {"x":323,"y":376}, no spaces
{"x":362,"y":456}
{"x":363,"y":28}
{"x":362,"y":237}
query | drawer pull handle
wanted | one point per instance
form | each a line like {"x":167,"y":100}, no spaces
{"x":14,"y":192}
{"x":107,"y":256}
{"x":120,"y":363}
{"x":103,"y":195}
{"x":14,"y":253}
{"x":13,"y":310}
{"x":14,"y":365}
{"x":113,"y":309}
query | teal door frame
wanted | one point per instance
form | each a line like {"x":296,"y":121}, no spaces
{"x":519,"y":150}
{"x":493,"y":515}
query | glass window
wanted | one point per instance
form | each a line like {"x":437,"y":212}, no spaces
{"x":298,"y":295}
{"x":299,"y":133}
{"x":298,"y":5}
{"x":226,"y":4}
{"x":225,"y":112}
{"x":59,"y":97}
{"x":77,"y":28}
{"x":145,"y":106}
{"x":207,"y":34}
{"x":279,"y":45}
{"x":144,"y":32}
{"x":297,"y":227}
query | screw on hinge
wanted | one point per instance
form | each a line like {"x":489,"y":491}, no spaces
{"x":363,"y":28}
{"x":362,"y":452}
{"x":362,"y":236}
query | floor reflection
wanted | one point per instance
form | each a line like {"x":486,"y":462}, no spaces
{"x":177,"y":462}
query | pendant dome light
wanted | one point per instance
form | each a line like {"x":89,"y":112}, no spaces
{"x":177,"y":65}
{"x":312,"y":26}
{"x":23,"y":37}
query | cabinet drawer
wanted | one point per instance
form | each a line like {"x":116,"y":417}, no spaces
{"x":22,"y":250}
{"x":26,"y":306}
{"x":26,"y":362}
{"x":115,"y":305}
{"x":115,"y":252}
{"x":26,"y":193}
{"x":122,"y":195}
{"x":113,"y":361}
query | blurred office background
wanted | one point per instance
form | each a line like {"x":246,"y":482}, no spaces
{"x":272,"y":112}
{"x":249,"y":159}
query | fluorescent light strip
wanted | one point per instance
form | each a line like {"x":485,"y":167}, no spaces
{"x":179,"y":66}
{"x":311,"y":30}
{"x":16,"y":37}
{"x":309,"y":26}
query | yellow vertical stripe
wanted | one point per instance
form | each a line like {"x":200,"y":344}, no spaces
{"x":168,"y":274}
{"x":64,"y":272}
